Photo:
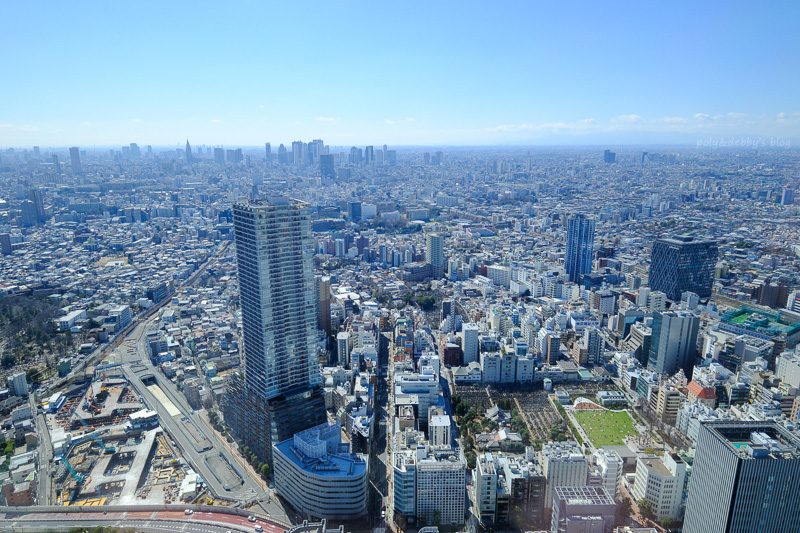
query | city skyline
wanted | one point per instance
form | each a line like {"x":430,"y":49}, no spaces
{"x":425,"y":75}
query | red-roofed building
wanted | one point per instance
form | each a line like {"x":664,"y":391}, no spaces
{"x":699,"y":394}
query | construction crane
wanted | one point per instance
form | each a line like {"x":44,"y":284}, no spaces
{"x":79,"y":478}
{"x":95,"y":436}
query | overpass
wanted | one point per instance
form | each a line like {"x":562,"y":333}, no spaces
{"x":161,"y":518}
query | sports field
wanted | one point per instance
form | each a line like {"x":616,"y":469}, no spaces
{"x":606,"y":428}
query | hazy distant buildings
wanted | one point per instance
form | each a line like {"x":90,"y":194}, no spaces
{"x":580,"y":246}
{"x":682,"y":264}
{"x":327,"y":169}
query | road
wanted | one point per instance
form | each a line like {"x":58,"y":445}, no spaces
{"x":136,"y":366}
{"x":147,"y":521}
{"x":45,"y":450}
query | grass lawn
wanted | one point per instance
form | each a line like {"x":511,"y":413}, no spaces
{"x":606,"y":428}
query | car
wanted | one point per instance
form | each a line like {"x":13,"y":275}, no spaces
{"x":258,"y":529}
{"x":188,"y":512}
{"x":251,"y":518}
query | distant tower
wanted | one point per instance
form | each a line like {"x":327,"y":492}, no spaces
{"x":326,"y":167}
{"x":75,"y":157}
{"x":580,"y":246}
{"x":189,"y":158}
{"x":56,"y":164}
{"x":268,"y":150}
{"x":609,"y":156}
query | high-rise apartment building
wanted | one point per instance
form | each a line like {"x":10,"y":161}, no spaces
{"x":744,"y":478}
{"x":470,"y":344}
{"x":673,"y":342}
{"x":282,"y":379}
{"x":434,"y":254}
{"x":580,"y":246}
{"x":682,"y":264}
{"x":323,"y":285}
{"x":75,"y":157}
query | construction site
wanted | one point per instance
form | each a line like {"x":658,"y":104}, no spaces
{"x":110,"y":450}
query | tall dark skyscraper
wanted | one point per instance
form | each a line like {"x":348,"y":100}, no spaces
{"x":580,"y":246}
{"x":189,"y":157}
{"x":683,"y":264}
{"x":282,"y":389}
{"x":744,"y":479}
{"x":609,"y":156}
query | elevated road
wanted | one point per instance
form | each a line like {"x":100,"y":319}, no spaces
{"x":140,"y":518}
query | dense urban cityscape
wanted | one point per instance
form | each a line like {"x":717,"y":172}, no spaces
{"x":313,"y":337}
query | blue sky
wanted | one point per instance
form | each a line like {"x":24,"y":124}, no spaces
{"x":404,"y":73}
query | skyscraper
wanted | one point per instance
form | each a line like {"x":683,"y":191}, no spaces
{"x":580,"y":246}
{"x":268,"y":150}
{"x":75,"y":157}
{"x":609,"y":156}
{"x":35,"y":196}
{"x":189,"y":158}
{"x":744,"y":478}
{"x":673,"y":343}
{"x":434,"y":254}
{"x":682,"y":264}
{"x":282,"y":382}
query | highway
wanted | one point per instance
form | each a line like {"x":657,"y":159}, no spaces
{"x":32,"y":519}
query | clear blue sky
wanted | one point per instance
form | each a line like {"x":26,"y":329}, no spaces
{"x":242,"y":73}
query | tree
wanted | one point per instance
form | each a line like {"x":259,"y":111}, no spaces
{"x":667,"y":523}
{"x":264,"y":469}
{"x":626,"y":507}
{"x":472,"y":460}
{"x":9,"y":359}
{"x":646,"y":509}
